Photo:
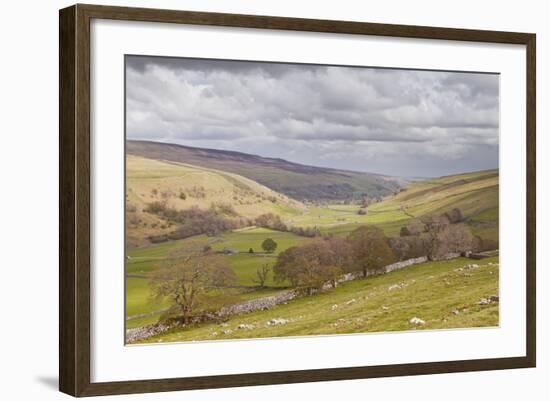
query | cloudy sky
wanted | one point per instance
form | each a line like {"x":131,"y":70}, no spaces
{"x":397,"y":122}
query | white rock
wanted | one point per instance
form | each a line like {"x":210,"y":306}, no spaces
{"x":416,"y":320}
{"x":484,"y":301}
{"x":384,"y":307}
{"x":334,"y":307}
{"x":395,"y":287}
{"x":274,"y":322}
{"x":245,"y":326}
{"x":351,"y":301}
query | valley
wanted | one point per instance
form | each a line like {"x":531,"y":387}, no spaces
{"x":182,"y":200}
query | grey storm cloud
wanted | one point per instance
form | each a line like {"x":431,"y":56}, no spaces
{"x":391,"y":121}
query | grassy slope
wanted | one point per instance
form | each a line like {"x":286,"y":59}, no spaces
{"x":432,"y":292}
{"x":476,"y":194}
{"x":150,"y":180}
{"x":295,"y":180}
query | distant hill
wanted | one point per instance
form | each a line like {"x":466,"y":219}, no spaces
{"x":301,"y":182}
{"x":181,"y":186}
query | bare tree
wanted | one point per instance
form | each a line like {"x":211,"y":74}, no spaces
{"x":458,"y":238}
{"x":370,"y":249}
{"x":193,"y":281}
{"x":262,"y":274}
{"x":448,"y":238}
{"x":310,"y":266}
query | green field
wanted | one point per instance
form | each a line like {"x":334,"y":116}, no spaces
{"x":434,"y":292}
{"x":141,"y":261}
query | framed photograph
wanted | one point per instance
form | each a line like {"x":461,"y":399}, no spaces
{"x":249,"y":200}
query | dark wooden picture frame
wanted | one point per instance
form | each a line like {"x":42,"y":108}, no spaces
{"x":74,"y":202}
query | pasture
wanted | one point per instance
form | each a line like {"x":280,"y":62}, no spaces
{"x":435,"y":292}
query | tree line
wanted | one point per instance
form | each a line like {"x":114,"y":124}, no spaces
{"x":215,"y":220}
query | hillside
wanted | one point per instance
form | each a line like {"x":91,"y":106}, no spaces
{"x":182,"y":186}
{"x":294,"y":180}
{"x":475,"y":194}
{"x":442,"y":294}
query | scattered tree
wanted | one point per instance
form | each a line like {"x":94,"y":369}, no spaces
{"x":408,"y":247}
{"x":456,"y":238}
{"x":447,"y":238}
{"x":262,"y":274}
{"x":411,"y":229}
{"x":269,"y":245}
{"x":370,"y":250}
{"x":250,"y":250}
{"x":455,"y":216}
{"x":484,"y":244}
{"x":272,"y":221}
{"x":309,"y":267}
{"x":193,"y":282}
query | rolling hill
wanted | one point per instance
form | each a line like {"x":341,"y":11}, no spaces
{"x":183,"y":186}
{"x":295,"y":180}
{"x":476,"y":194}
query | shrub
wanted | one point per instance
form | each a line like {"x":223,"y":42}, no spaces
{"x":224,"y":208}
{"x":155,"y":207}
